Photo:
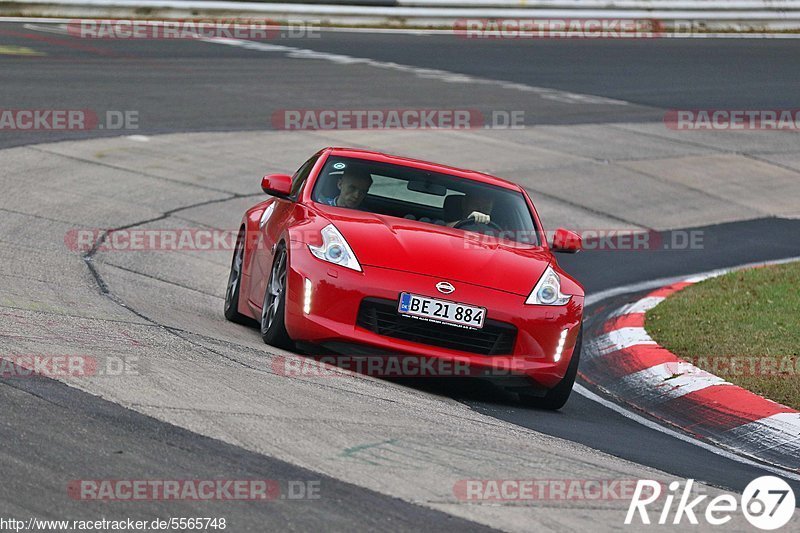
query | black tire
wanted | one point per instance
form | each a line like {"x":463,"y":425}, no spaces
{"x":273,"y":310}
{"x":234,"y":283}
{"x":556,"y":397}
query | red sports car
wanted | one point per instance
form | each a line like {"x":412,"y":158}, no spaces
{"x":368,"y":254}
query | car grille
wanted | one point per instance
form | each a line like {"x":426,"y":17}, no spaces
{"x":380,"y":316}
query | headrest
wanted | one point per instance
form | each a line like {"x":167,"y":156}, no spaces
{"x":454,"y":207}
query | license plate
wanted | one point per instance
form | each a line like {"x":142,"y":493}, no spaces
{"x":443,"y":311}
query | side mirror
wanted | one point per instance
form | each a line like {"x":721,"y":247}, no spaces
{"x":566,"y":241}
{"x":279,"y":185}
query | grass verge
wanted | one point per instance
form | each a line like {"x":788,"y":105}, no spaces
{"x":743,"y":326}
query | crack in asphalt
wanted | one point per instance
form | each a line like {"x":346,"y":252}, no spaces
{"x":156,"y":278}
{"x":88,"y":259}
{"x":755,"y":157}
{"x":40,"y":217}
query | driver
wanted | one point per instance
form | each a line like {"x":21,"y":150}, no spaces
{"x":478,"y":207}
{"x":353,"y":187}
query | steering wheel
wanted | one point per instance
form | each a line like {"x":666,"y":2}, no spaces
{"x":471,"y":222}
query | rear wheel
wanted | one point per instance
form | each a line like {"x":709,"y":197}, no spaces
{"x":234,"y":283}
{"x":556,"y":397}
{"x":273,"y":311}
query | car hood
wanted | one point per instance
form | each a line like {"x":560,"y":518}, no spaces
{"x":441,"y":252}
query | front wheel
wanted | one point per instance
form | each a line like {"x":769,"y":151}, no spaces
{"x":273,"y":310}
{"x":234,"y":284}
{"x":558,"y":395}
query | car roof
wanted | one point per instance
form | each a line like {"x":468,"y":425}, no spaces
{"x":423,"y":165}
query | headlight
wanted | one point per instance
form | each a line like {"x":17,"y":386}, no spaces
{"x":335,"y":249}
{"x":548,"y":290}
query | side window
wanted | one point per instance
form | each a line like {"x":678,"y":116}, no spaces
{"x":301,"y":176}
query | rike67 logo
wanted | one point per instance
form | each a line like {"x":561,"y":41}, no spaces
{"x":767,"y":502}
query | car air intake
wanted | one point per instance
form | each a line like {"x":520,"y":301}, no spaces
{"x":380,"y":316}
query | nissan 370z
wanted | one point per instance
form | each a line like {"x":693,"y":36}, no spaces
{"x":367,"y":254}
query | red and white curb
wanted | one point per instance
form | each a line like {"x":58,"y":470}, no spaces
{"x":624,"y":361}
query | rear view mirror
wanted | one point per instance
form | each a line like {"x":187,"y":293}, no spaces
{"x":279,"y":185}
{"x":427,"y":187}
{"x":566,"y":241}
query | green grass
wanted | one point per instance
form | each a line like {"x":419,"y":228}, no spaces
{"x":743,"y":326}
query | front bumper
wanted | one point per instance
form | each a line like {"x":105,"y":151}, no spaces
{"x":338,"y":293}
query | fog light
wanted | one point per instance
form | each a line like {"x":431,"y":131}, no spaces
{"x":307,"y":296}
{"x":561,"y":340}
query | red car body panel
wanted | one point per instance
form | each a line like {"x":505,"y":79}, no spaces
{"x":399,"y":255}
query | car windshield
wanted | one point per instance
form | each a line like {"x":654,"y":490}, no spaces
{"x":424,"y":196}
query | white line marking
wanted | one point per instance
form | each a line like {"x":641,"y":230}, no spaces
{"x":589,"y":395}
{"x":667,"y":381}
{"x":639,"y":306}
{"x":60,"y":29}
{"x":703,"y":277}
{"x":622,"y":338}
{"x":425,"y":73}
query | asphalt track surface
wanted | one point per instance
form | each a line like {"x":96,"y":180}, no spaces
{"x":188,"y":86}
